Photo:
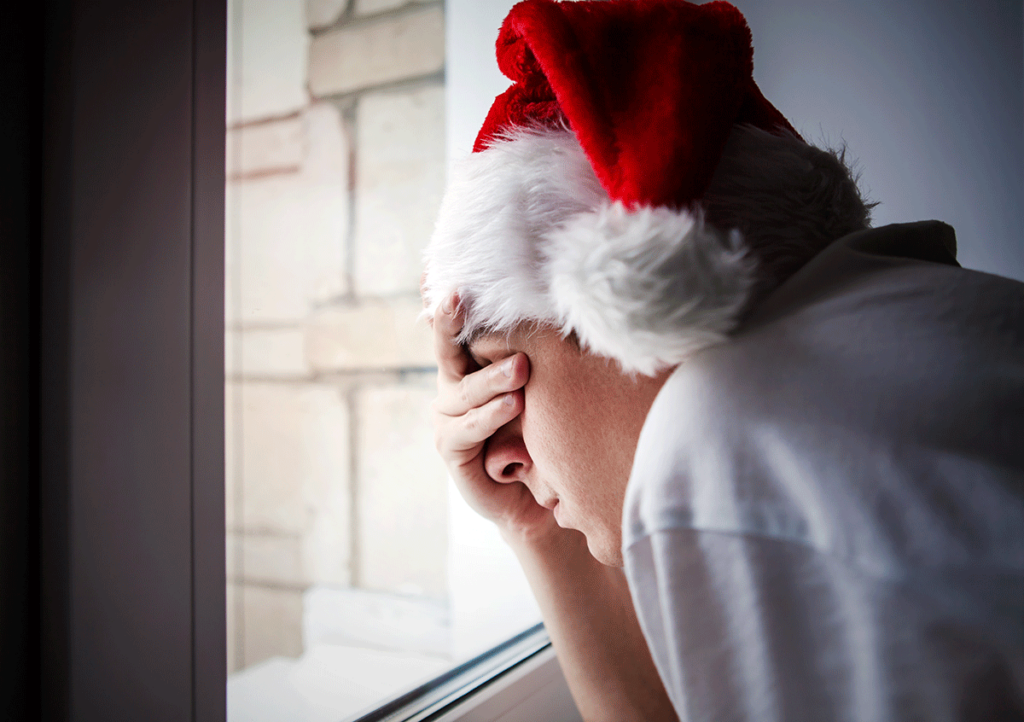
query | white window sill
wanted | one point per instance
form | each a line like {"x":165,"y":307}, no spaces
{"x":534,"y":691}
{"x":518,"y":681}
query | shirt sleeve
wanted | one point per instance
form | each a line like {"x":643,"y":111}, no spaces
{"x":743,"y":627}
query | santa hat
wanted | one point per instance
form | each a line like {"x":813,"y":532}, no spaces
{"x":580,"y":205}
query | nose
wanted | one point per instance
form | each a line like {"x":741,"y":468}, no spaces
{"x":505,"y":456}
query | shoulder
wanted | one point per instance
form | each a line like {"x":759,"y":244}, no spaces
{"x":885,"y":388}
{"x":701,"y":460}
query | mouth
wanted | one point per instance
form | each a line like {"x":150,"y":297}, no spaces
{"x":549,"y":504}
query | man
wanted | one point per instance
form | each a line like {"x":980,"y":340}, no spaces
{"x":668,"y":341}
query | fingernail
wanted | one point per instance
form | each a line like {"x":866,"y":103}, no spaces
{"x":506,"y":368}
{"x":509,"y":400}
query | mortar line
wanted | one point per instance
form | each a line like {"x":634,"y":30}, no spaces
{"x":349,"y":19}
{"x":408,"y":82}
{"x":355,"y":568}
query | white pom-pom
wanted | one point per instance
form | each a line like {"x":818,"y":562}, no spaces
{"x":647,"y":287}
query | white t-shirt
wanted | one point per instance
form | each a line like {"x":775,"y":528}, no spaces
{"x":825,"y":519}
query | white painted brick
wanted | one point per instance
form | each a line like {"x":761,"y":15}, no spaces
{"x":233,"y":555}
{"x":402,"y":493}
{"x":268,"y":50}
{"x":232,"y":429}
{"x":291,"y":461}
{"x":285,"y":233}
{"x":288,"y":250}
{"x":379,"y":51}
{"x":268,"y":559}
{"x":356,"y":617}
{"x":371,"y":7}
{"x":376,"y":334}
{"x":287,"y":454}
{"x":400,"y":175}
{"x":234,"y":639}
{"x":321,"y":13}
{"x":327,"y":546}
{"x":277,"y":145}
{"x":271,"y":623}
{"x":276,"y":352}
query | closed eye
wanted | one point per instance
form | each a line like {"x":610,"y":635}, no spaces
{"x":488,"y":349}
{"x":478,"y":361}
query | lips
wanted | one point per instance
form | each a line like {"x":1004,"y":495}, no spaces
{"x":549,"y":503}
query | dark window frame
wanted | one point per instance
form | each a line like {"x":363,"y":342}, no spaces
{"x":126,"y":505}
{"x":117,"y":384}
{"x":445,"y":691}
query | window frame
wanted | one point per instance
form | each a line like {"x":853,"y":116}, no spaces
{"x":129,"y":438}
{"x":122,"y":235}
{"x":446,"y":691}
{"x":130,"y":434}
{"x":518,"y":680}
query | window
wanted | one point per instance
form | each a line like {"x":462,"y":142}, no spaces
{"x":355,"y":572}
{"x":130,"y":557}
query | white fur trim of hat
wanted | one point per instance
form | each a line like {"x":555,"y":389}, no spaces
{"x":526,"y":233}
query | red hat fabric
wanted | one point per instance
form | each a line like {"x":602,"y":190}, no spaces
{"x":651,"y":89}
{"x":579,"y":207}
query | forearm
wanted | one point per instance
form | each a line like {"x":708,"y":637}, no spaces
{"x":588,"y":612}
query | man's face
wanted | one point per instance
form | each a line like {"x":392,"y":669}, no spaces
{"x":573,"y":444}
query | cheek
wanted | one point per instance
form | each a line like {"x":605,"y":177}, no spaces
{"x":567,"y":438}
{"x":554,"y":427}
{"x":550,"y":430}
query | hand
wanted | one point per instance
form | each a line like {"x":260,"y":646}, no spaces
{"x":471,"y":406}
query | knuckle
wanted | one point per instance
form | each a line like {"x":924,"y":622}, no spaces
{"x":472,"y":420}
{"x":481,"y":421}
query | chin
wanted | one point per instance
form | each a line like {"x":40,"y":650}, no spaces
{"x":605,"y":550}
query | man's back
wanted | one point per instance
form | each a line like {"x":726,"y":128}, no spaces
{"x":826,"y":514}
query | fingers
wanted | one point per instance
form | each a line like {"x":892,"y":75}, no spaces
{"x":480,"y":402}
{"x":452,"y":361}
{"x":467,"y":432}
{"x":475,"y":389}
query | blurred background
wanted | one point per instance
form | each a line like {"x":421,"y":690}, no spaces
{"x":354,"y":571}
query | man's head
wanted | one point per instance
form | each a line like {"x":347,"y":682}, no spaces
{"x":635,"y":192}
{"x":587,"y":203}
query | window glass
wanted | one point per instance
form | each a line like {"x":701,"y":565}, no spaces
{"x":355,"y":571}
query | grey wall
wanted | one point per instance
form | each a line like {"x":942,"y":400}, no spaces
{"x":927,"y":94}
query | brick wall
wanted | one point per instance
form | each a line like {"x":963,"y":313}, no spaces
{"x":336,"y":167}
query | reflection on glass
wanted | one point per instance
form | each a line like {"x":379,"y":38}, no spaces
{"x":353,"y":571}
